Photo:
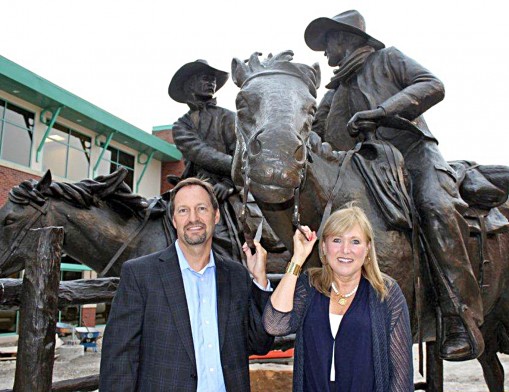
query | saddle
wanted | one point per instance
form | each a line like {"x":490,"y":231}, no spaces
{"x":483,"y":187}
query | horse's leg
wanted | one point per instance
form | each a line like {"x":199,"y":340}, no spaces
{"x":493,"y":371}
{"x":491,"y":366}
{"x":434,"y":368}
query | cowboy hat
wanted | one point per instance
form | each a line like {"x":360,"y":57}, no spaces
{"x":349,"y":21}
{"x":176,"y":88}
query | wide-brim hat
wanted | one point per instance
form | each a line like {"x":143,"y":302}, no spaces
{"x":176,"y":88}
{"x":349,"y":21}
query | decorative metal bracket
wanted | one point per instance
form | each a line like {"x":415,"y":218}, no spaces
{"x":145,"y":165}
{"x":104,"y":148}
{"x":50,"y":124}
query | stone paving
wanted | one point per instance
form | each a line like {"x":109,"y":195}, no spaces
{"x":459,"y":376}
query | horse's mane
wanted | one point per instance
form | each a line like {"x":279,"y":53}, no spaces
{"x":83,"y":194}
{"x":282,"y":62}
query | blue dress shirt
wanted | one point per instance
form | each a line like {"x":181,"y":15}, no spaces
{"x":201,"y":295}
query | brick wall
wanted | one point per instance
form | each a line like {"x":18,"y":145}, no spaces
{"x":166,"y":135}
{"x":10,"y":178}
{"x":88,"y":315}
{"x":167,"y":168}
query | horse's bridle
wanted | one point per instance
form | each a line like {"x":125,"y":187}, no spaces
{"x":43,"y":209}
{"x":268,"y":73}
{"x":39,"y":211}
{"x":131,"y":237}
{"x":296,"y":202}
{"x":245,"y":169}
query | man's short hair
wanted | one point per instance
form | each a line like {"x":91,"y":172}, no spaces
{"x":190,"y":182}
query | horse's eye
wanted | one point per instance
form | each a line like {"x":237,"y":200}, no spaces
{"x":9,"y":221}
{"x":240,"y":103}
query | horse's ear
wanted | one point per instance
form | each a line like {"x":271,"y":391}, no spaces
{"x":44,"y":183}
{"x":166,"y":196}
{"x":239,"y":72}
{"x":318,"y":74}
{"x":172,"y":179}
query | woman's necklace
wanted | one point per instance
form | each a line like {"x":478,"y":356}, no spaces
{"x":342,"y":297}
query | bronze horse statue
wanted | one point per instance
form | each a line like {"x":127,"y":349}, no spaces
{"x":105,"y":223}
{"x":99,"y":218}
{"x":293,"y":176}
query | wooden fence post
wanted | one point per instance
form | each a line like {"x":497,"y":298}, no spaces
{"x":434,"y":368}
{"x":38,"y":314}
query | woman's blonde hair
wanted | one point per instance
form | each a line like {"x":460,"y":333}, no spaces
{"x":337,"y":224}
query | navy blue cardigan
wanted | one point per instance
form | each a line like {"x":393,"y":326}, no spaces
{"x":353,"y":348}
{"x":390,"y":333}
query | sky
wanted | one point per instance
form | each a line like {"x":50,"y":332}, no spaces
{"x":121,"y":55}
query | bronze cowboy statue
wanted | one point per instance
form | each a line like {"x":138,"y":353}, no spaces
{"x":373,"y":83}
{"x":206,"y":137}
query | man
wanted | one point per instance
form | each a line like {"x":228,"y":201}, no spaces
{"x":185,"y":319}
{"x":206,"y":137}
{"x":373,"y":83}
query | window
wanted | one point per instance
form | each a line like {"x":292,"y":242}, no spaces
{"x":67,"y":153}
{"x":70,"y":269}
{"x":9,"y":318}
{"x":16,"y":133}
{"x":112,"y":159}
{"x":70,"y":314}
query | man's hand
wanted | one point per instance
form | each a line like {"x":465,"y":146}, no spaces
{"x":257,"y":263}
{"x":222,"y":191}
{"x":366,"y":115}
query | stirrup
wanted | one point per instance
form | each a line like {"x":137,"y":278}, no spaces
{"x":475,"y":338}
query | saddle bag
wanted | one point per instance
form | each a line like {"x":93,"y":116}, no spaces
{"x":382,"y":168}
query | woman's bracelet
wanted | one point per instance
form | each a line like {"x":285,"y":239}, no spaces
{"x":293,"y":268}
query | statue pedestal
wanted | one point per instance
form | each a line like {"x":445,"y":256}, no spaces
{"x":277,"y":376}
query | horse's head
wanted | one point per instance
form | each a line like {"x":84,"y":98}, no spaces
{"x":275,"y":109}
{"x":24,"y":210}
{"x":92,"y":213}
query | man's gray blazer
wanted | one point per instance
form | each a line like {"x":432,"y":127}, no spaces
{"x":148,"y":344}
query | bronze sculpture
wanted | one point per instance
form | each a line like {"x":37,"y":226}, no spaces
{"x":105,"y":204}
{"x":371,"y":83}
{"x":285,"y":165}
{"x":125,"y":225}
{"x":206,"y":137}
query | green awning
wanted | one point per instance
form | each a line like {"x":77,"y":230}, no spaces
{"x":32,"y":88}
{"x":68,"y":267}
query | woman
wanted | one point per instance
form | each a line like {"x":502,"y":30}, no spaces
{"x":352,"y":323}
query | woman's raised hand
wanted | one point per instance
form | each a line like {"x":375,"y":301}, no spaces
{"x":303,"y":244}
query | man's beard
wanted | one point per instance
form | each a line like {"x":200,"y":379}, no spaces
{"x":195,"y":240}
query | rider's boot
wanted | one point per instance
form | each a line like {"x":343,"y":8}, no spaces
{"x":458,"y":342}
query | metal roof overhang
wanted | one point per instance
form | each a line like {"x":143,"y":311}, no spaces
{"x":32,"y":88}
